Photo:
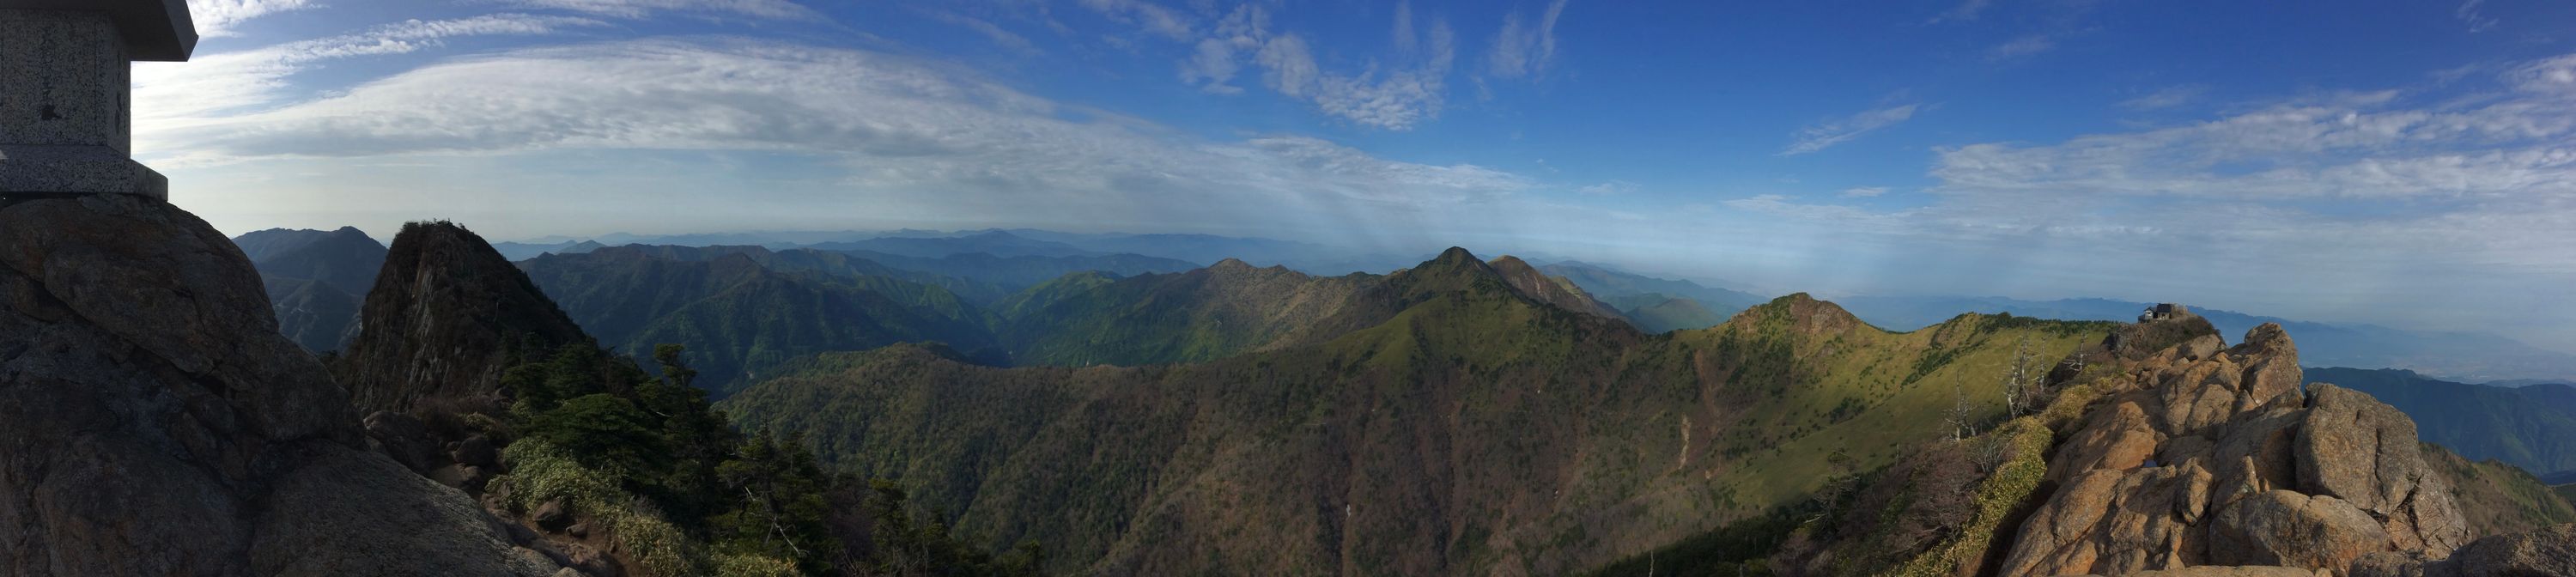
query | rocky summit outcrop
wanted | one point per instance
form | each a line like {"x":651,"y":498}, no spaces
{"x":446,"y":314}
{"x":2205,"y":455}
{"x":2545,"y":552}
{"x":158,"y":424}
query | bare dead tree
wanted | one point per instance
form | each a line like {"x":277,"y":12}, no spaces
{"x":1962,"y":417}
{"x":2019,"y":384}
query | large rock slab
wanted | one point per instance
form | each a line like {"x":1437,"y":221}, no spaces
{"x":2290,"y":529}
{"x":159,"y":425}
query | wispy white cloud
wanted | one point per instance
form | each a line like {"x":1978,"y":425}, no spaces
{"x":216,"y":18}
{"x":1864,"y":191}
{"x":999,"y":36}
{"x":1608,"y":188}
{"x":175,"y":95}
{"x":2168,"y":97}
{"x":640,"y":9}
{"x":1965,"y":11}
{"x":1397,"y":96}
{"x":1524,"y":48}
{"x":2335,"y":201}
{"x":896,"y":125}
{"x":2468,"y":14}
{"x":2024,"y":46}
{"x":1151,"y":17}
{"x":1840,"y":130}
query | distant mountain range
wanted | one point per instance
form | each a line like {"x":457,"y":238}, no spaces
{"x":317,"y":280}
{"x":739,"y":316}
{"x":2471,"y":357}
{"x":2532,"y":427}
{"x":518,"y":251}
{"x":1657,"y":305}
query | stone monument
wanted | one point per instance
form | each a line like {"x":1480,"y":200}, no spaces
{"x":65,"y":92}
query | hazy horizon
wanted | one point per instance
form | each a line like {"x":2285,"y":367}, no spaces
{"x":2405,"y":165}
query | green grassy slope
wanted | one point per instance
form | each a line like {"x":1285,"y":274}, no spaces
{"x":1198,"y":315}
{"x":2497,"y":497}
{"x":1467,"y":430}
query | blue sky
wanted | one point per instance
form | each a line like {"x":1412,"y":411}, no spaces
{"x":2406,"y":163}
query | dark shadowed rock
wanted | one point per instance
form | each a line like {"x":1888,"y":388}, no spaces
{"x":159,"y":425}
{"x":403,"y":438}
{"x":445,"y":316}
{"x":477,"y":451}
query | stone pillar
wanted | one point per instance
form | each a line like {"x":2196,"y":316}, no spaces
{"x":65,"y":90}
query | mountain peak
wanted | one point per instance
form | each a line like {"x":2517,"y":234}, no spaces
{"x":1806,"y":313}
{"x":1455,"y":255}
{"x":1231,"y":265}
{"x":443,"y":288}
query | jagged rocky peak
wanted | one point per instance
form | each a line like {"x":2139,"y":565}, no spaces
{"x":2203,"y":456}
{"x":159,"y":425}
{"x":445,"y":290}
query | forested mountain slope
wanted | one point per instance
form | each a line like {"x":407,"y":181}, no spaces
{"x":1460,"y":428}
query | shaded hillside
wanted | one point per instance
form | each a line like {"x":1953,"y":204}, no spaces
{"x":317,"y":316}
{"x":1661,"y":313}
{"x":593,"y":464}
{"x":1309,"y":258}
{"x":315,"y":280}
{"x":996,"y":243}
{"x":518,"y":251}
{"x":2532,"y":427}
{"x":738,"y":317}
{"x":1231,"y":308}
{"x":1553,"y":290}
{"x":159,"y":425}
{"x":1198,"y":315}
{"x":1654,"y":304}
{"x":1470,"y":430}
{"x":846,"y":266}
{"x":1012,"y":273}
{"x":447,"y":316}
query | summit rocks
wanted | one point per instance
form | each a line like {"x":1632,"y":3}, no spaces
{"x":2208,"y":456}
{"x":159,"y":425}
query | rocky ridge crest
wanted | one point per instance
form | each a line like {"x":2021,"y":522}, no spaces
{"x":2203,"y":459}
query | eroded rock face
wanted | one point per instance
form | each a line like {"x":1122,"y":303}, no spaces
{"x":159,"y":425}
{"x":2209,"y":456}
{"x":440,"y":326}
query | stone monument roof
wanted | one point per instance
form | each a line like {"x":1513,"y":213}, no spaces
{"x":154,"y":30}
